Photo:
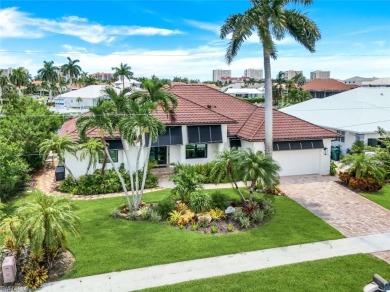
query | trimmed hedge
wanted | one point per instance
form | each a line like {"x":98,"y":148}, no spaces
{"x":252,"y":100}
{"x":202,"y":169}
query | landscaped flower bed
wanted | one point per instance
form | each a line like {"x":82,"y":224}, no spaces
{"x":234,"y":218}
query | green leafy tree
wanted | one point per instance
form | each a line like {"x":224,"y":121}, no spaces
{"x":270,"y":20}
{"x":259,"y":169}
{"x":91,"y":149}
{"x":227,"y":164}
{"x":49,"y":73}
{"x":59,"y":146}
{"x":72,"y":70}
{"x":47,"y":223}
{"x":121,"y":72}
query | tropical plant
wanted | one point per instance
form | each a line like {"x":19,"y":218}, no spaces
{"x":364,"y":166}
{"x":91,"y":149}
{"x":79,"y":100}
{"x":217,"y":214}
{"x":186,"y":182}
{"x":227,"y":163}
{"x":214,"y":229}
{"x":200,"y":200}
{"x":259,"y":169}
{"x":165,"y":206}
{"x":230,"y":227}
{"x":244,"y":222}
{"x":72,"y":70}
{"x":299,"y":79}
{"x":49,"y":73}
{"x":270,"y":20}
{"x":219,"y":200}
{"x":59,"y":146}
{"x":46,"y":222}
{"x":257,"y":216}
{"x":122,"y":71}
{"x":19,"y":77}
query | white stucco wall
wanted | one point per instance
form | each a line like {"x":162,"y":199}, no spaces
{"x":350,"y":138}
{"x":71,"y":102}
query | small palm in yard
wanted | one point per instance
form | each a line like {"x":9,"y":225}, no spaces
{"x":187,"y":181}
{"x":58,"y":145}
{"x":46,"y":223}
{"x":364,"y":166}
{"x":91,"y":149}
{"x":259,"y":169}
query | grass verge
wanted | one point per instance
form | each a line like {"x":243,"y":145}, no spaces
{"x":382,"y":197}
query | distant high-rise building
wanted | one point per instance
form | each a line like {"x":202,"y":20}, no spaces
{"x":219,"y":73}
{"x":102,"y":76}
{"x":290,"y":74}
{"x":319,"y":74}
{"x":253,"y":73}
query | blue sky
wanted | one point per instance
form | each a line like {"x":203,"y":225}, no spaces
{"x":181,"y":38}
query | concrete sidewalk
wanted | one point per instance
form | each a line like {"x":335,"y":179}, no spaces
{"x":155,"y":276}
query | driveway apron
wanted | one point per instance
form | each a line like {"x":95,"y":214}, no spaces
{"x":345,"y":210}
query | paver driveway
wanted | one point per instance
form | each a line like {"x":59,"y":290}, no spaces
{"x":348,"y":212}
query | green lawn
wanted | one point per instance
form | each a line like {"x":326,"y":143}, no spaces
{"x":107,"y":244}
{"x":382,"y":197}
{"x":349,"y":273}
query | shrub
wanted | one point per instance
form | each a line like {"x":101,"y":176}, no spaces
{"x":34,"y":278}
{"x":181,"y":207}
{"x":257,"y":216}
{"x":144,"y":213}
{"x":245,"y":223}
{"x":267,"y":206}
{"x":238,"y":214}
{"x":165,"y":206}
{"x":200,"y":201}
{"x":154,"y":216}
{"x":250,"y":207}
{"x":67,"y":185}
{"x":230,"y":228}
{"x":365,"y":184}
{"x":203,"y":221}
{"x":219,"y":200}
{"x":115,"y":213}
{"x":214,"y":229}
{"x":174,"y":217}
{"x":195,"y":226}
{"x":217,"y":214}
{"x":133,"y":216}
{"x":333,"y":168}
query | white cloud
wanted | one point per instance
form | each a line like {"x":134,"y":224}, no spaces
{"x":215,"y":28}
{"x":14,"y":23}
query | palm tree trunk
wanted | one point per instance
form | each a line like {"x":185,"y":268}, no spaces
{"x":135,"y":199}
{"x":119,"y":175}
{"x":68,"y":169}
{"x":129,"y":165}
{"x":123,"y":82}
{"x":238,"y":189}
{"x":105,"y":157}
{"x":268,"y":103}
{"x":89,"y":166}
{"x":145,"y":168}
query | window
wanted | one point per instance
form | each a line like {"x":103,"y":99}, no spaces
{"x":342,"y":137}
{"x":196,"y":151}
{"x":360,"y":137}
{"x":113,"y":154}
{"x":204,"y":134}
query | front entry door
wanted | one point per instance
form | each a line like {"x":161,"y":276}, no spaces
{"x":159,"y":154}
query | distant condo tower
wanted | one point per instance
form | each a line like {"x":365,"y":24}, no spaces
{"x":290,"y":74}
{"x":218,"y":74}
{"x":253,"y":73}
{"x":319,"y":74}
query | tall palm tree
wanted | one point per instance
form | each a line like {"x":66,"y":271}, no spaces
{"x":122,"y":71}
{"x":270,"y":20}
{"x":49,"y":73}
{"x":72,"y":70}
{"x":142,"y":122}
{"x":299,"y":79}
{"x":47,"y":222}
{"x":91,"y":149}
{"x":103,"y":118}
{"x":58,"y":145}
{"x":156,"y":94}
{"x":227,"y":164}
{"x":19,"y":77}
{"x":78,"y":100}
{"x":259,"y":169}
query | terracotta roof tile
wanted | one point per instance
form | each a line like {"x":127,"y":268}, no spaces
{"x":327,"y":85}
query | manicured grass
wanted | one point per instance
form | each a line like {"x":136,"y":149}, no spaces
{"x":108,"y":244}
{"x":382,"y":197}
{"x":349,"y":273}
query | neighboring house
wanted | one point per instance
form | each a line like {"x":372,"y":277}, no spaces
{"x":357,"y":80}
{"x":132,"y":83}
{"x":320,"y":88}
{"x":246,"y":92}
{"x":378,"y":82}
{"x":89,"y":97}
{"x":356,"y":114}
{"x":207,"y":121}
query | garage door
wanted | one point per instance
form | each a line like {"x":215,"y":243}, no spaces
{"x":299,"y":162}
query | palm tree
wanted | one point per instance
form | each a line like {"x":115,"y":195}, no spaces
{"x":4,"y":81}
{"x":78,"y":100}
{"x":227,"y":164}
{"x":299,"y":79}
{"x":89,"y":80}
{"x":156,"y":94}
{"x":72,"y":70}
{"x":19,"y":77}
{"x":103,"y":118}
{"x":92,"y":149}
{"x":270,"y":20}
{"x":122,"y":71}
{"x":47,"y":222}
{"x":49,"y":73}
{"x":142,"y":122}
{"x":187,"y":181}
{"x":259,"y":169}
{"x":280,"y":82}
{"x":364,"y":166}
{"x":58,"y":145}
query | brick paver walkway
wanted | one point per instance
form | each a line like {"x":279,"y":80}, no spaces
{"x":348,"y":212}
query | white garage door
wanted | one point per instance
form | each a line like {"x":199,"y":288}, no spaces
{"x":298,"y":162}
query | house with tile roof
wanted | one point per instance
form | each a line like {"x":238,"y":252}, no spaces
{"x":320,"y":88}
{"x":355,"y":114}
{"x":207,"y":121}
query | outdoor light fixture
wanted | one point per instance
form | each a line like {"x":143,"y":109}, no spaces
{"x":325,"y":151}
